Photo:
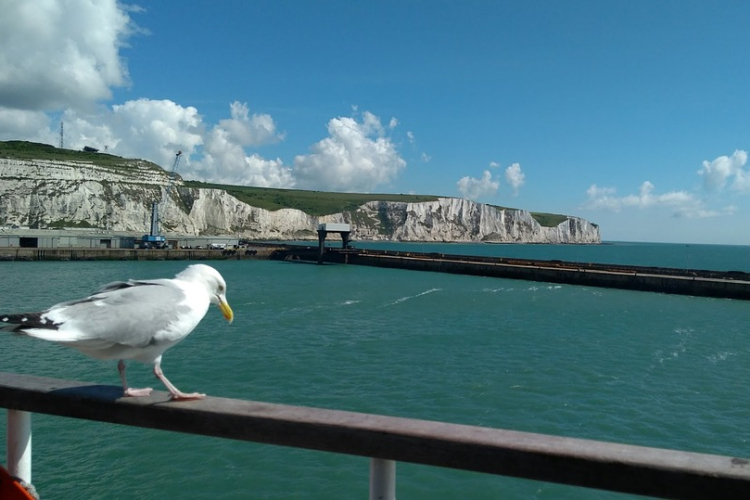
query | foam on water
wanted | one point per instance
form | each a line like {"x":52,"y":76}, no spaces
{"x":410,"y":297}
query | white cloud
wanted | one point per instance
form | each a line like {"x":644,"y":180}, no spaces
{"x":423,"y":157}
{"x":474,"y":189}
{"x":31,"y":125}
{"x":150,"y":129}
{"x":741,"y":181}
{"x":681,"y":203}
{"x":61,"y":54}
{"x":156,"y":129}
{"x":716,"y":173}
{"x":494,"y":164}
{"x":224,"y":157}
{"x":515,"y":177}
{"x":371,"y":125}
{"x":354,"y":157}
{"x":153,"y":129}
{"x":602,"y":198}
{"x":248,"y":130}
{"x":225,"y":161}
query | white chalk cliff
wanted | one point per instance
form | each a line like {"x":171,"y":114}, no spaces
{"x":43,"y":193}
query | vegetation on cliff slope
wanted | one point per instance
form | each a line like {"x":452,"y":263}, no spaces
{"x":23,"y":150}
{"x":315,"y":203}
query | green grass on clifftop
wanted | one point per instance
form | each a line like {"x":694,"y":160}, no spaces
{"x":549,"y":220}
{"x":315,"y":203}
{"x":23,"y":150}
{"x":319,"y":203}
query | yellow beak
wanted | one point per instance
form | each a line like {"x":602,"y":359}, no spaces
{"x":225,"y":309}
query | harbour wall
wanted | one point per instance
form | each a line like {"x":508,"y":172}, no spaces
{"x":703,"y":283}
{"x":259,"y":252}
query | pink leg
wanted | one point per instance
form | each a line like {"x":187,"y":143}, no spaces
{"x":177,"y":395}
{"x":128,"y":391}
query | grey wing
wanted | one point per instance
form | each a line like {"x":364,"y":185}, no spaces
{"x":130,"y":315}
{"x":109,"y":287}
{"x":118,"y":285}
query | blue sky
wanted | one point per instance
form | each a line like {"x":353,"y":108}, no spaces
{"x":634,"y":115}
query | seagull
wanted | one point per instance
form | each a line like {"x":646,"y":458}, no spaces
{"x":131,"y":320}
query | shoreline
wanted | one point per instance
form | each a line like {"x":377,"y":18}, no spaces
{"x":254,"y":252}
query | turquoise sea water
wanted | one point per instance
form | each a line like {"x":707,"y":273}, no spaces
{"x":632,"y":367}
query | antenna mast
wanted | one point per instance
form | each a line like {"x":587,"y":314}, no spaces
{"x":61,"y":135}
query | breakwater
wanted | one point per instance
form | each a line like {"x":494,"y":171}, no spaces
{"x":76,"y":254}
{"x":704,"y":283}
{"x":696,"y":282}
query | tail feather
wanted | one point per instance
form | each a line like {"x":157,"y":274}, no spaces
{"x":9,"y":328}
{"x":18,"y":322}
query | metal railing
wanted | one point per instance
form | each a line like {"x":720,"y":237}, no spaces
{"x":386,"y":440}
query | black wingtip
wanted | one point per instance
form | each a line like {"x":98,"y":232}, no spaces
{"x":14,"y":322}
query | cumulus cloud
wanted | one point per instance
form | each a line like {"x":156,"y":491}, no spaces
{"x":473,"y":188}
{"x":156,"y":129}
{"x":741,"y":181}
{"x":162,"y":125}
{"x":356,"y":156}
{"x":229,"y":164}
{"x":224,"y":157}
{"x":718,"y":172}
{"x":150,"y":129}
{"x":681,"y":203}
{"x":515,"y":177}
{"x":225,"y":161}
{"x":724,"y":172}
{"x":61,"y":54}
{"x":60,"y":60}
{"x":248,"y":130}
{"x":32,"y":125}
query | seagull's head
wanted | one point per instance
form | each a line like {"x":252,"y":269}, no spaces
{"x":215,"y":286}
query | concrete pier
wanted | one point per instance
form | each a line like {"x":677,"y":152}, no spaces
{"x":705,"y":283}
{"x":76,"y":254}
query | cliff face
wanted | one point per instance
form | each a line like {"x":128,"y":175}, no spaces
{"x":38,"y":193}
{"x":43,"y":193}
{"x":453,"y":219}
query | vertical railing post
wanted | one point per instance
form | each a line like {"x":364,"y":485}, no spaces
{"x":19,"y":444}
{"x":382,"y":479}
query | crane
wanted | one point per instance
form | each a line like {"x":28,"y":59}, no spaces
{"x":154,"y":239}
